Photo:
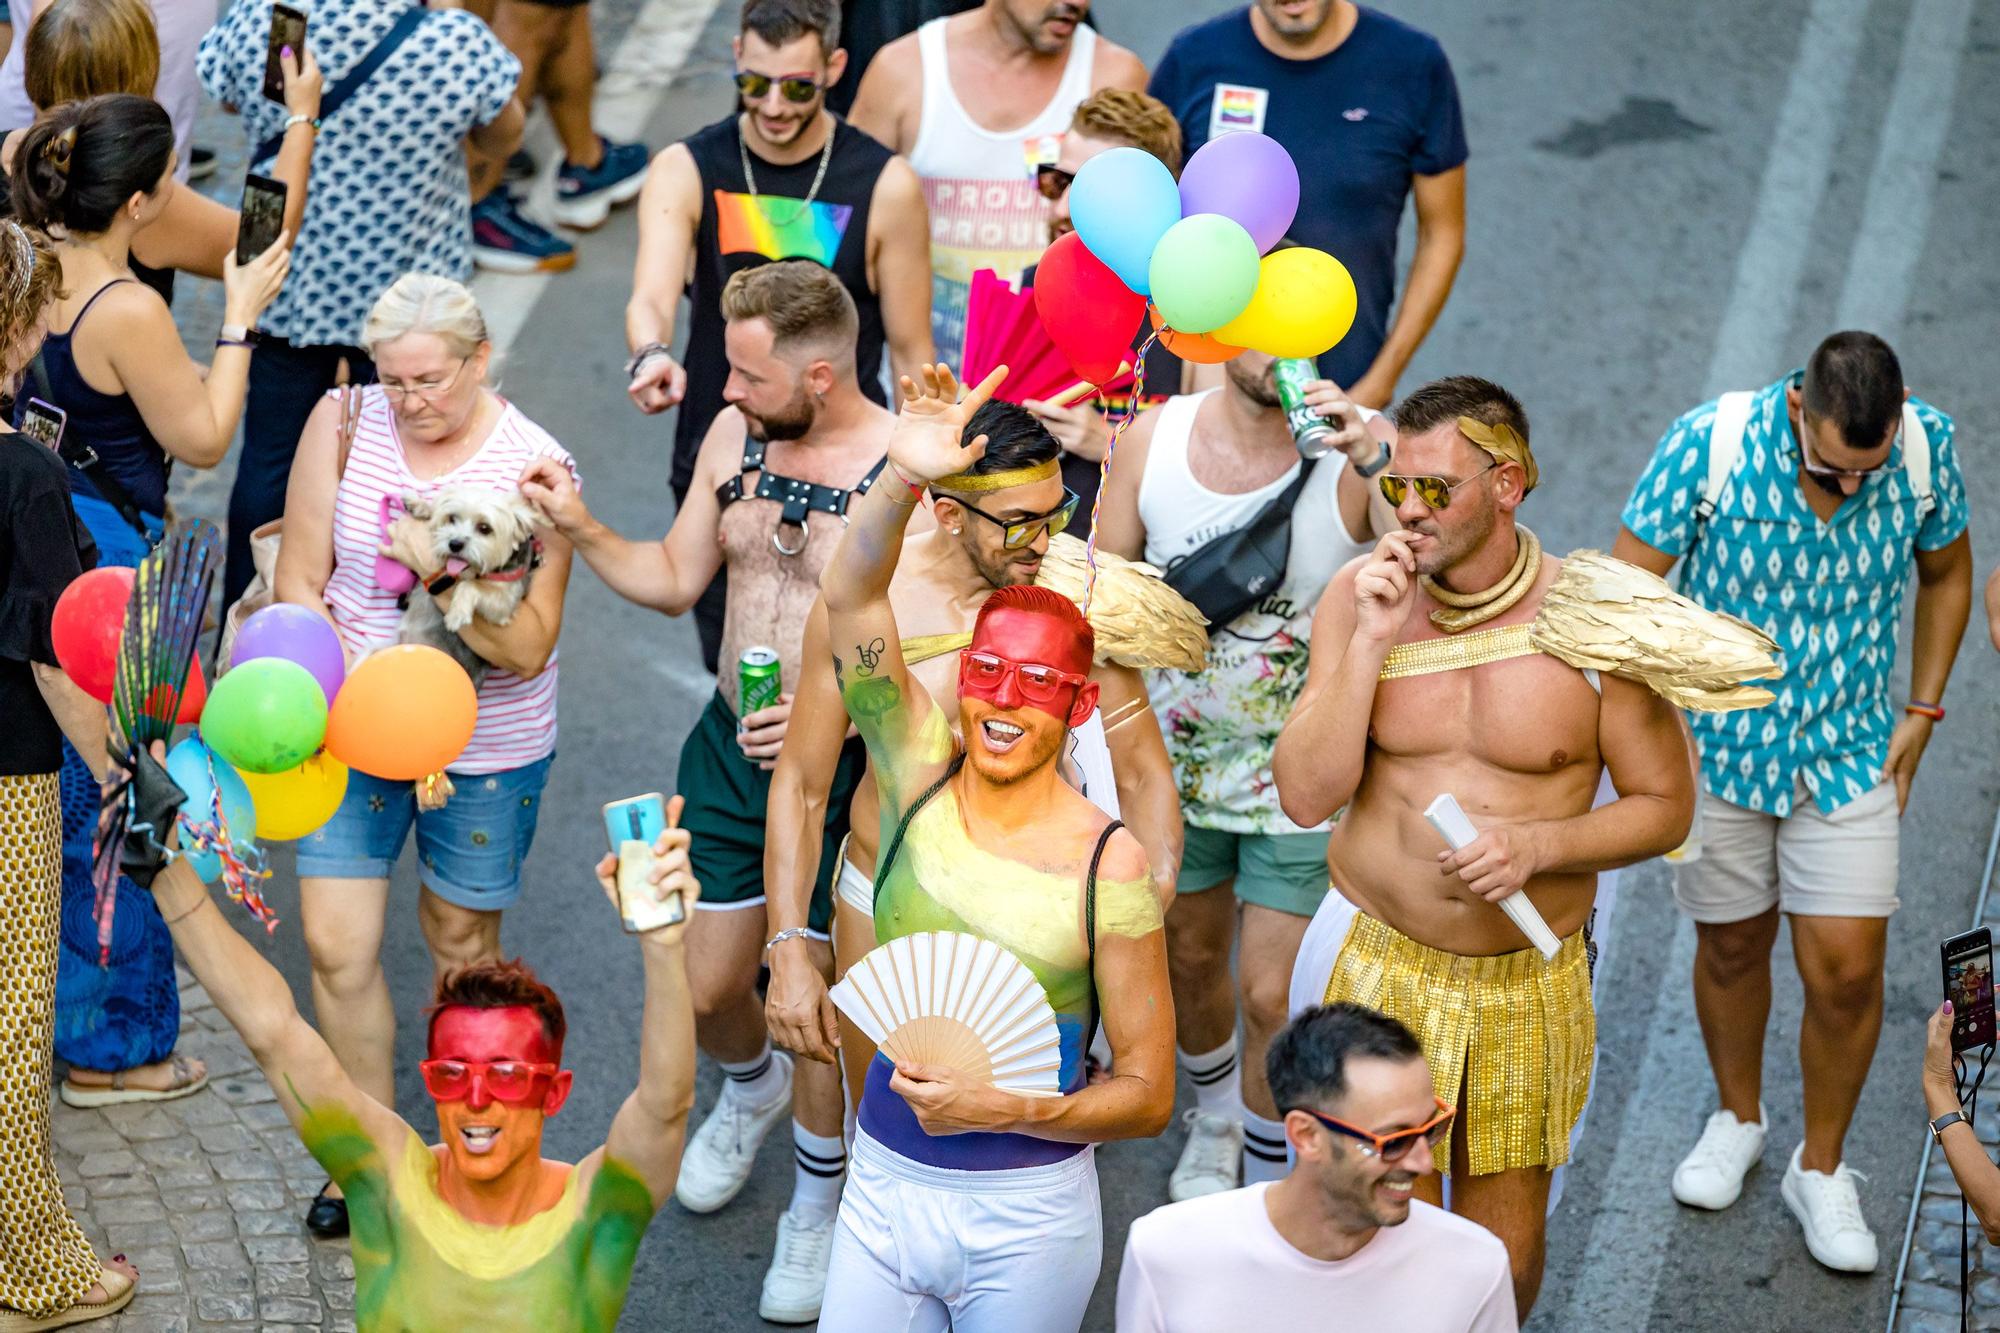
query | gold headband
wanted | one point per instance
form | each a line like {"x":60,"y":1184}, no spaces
{"x":1502,"y":444}
{"x":971,"y":483}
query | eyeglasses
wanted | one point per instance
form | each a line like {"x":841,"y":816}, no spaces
{"x":1813,"y":465}
{"x":1052,"y":180}
{"x":427,"y":390}
{"x":792,"y":87}
{"x":1039,"y":684}
{"x":510,"y":1081}
{"x":1393,"y":1147}
{"x":1435,"y":492}
{"x":1019,"y":532}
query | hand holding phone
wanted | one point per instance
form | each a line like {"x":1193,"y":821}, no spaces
{"x":261,"y":218}
{"x":649,"y":880}
{"x":288,"y":28}
{"x":1968,"y":984}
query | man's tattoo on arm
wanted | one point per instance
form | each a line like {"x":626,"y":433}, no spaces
{"x":839,"y":673}
{"x":871,"y":656}
{"x":871,"y":696}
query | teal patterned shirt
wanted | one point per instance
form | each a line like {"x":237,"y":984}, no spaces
{"x":1830,"y":592}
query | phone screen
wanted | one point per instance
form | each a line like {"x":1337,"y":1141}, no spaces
{"x":635,"y":819}
{"x":1968,"y":984}
{"x":44,"y":422}
{"x":288,"y":28}
{"x":262,"y":217}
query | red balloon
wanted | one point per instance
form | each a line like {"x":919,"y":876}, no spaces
{"x":88,"y":624}
{"x":1089,"y":313}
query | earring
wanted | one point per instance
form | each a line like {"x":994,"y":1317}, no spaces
{"x":958,"y":532}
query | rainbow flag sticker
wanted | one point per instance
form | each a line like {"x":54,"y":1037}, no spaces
{"x":780,"y":228}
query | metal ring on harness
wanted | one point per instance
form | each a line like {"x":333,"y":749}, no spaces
{"x":777,"y":536}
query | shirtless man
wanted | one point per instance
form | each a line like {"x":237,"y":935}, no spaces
{"x":1412,"y":709}
{"x":772,"y":484}
{"x":991,"y":842}
{"x":993,"y":533}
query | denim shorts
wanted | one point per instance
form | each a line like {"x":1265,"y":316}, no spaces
{"x":469,"y":853}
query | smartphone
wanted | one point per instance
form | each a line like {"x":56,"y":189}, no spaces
{"x":640,"y":910}
{"x":635,"y":819}
{"x":261,"y":217}
{"x":1968,"y":984}
{"x":44,"y":421}
{"x":288,"y":28}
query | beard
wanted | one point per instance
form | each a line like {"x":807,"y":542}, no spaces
{"x":1007,"y":571}
{"x":790,"y":422}
{"x":1450,"y":545}
{"x":1261,"y":389}
{"x":1302,"y":27}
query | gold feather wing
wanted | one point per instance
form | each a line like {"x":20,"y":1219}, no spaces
{"x":1603,"y":614}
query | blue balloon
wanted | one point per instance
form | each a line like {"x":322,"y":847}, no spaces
{"x":1121,"y":203}
{"x":188,"y":764}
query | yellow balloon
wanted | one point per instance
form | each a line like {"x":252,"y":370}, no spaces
{"x":297,"y":801}
{"x":1304,"y":304}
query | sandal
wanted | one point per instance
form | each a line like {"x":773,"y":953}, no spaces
{"x":83,"y":1096}
{"x":118,"y":1293}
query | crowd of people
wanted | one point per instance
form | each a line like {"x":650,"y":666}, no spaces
{"x":1216,"y":850}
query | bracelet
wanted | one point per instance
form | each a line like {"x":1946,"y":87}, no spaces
{"x":916,"y":487}
{"x":300,"y":120}
{"x":200,"y":903}
{"x":645,"y":354}
{"x":1934,"y":712}
{"x":788,"y":933}
{"x":244,"y":343}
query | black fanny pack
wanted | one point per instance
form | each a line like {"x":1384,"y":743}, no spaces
{"x":1237,"y":570}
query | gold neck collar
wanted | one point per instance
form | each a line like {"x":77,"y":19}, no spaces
{"x":1463,"y":610}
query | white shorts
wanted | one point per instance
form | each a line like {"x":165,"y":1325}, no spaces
{"x":1806,"y":864}
{"x":920,"y":1249}
{"x":854,"y":889}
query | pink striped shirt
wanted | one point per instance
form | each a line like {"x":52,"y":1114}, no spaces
{"x":517,"y":718}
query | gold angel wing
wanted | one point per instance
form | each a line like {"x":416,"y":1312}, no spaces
{"x":1603,"y":614}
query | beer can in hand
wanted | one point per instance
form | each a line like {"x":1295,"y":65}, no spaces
{"x":1310,"y":432}
{"x":758,"y":680}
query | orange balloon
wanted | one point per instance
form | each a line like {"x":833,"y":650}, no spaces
{"x":403,"y":713}
{"x":1197,"y":347}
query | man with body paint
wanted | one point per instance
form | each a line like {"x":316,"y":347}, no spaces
{"x":965,"y":1202}
{"x":480,"y":1231}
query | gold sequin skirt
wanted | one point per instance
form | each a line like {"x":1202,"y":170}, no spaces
{"x":46,"y":1265}
{"x":1513,"y":1032}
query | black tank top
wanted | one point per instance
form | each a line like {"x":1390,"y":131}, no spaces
{"x":110,"y":423}
{"x":739,"y":231}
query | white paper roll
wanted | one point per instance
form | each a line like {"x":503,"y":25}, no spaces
{"x":1449,"y":820}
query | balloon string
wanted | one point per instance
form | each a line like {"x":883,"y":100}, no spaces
{"x":240,"y":870}
{"x":1125,"y":419}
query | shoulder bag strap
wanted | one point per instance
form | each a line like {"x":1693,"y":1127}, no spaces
{"x":406,"y":23}
{"x":903,"y":825}
{"x":79,"y":455}
{"x":1725,"y":451}
{"x":1090,"y":928}
{"x":350,"y":422}
{"x":1917,"y":459}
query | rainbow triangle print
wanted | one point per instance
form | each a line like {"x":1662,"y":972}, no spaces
{"x":779,"y":228}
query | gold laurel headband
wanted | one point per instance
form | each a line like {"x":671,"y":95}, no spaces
{"x":970,"y":483}
{"x":1503,"y":445}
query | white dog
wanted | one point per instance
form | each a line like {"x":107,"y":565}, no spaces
{"x":486,"y":540}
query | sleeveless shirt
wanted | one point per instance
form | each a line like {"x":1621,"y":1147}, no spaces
{"x":740,"y":229}
{"x":986,"y":210}
{"x":110,"y":423}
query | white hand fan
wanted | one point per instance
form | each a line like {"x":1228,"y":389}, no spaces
{"x":952,"y":999}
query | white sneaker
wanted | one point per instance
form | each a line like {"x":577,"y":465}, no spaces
{"x":718,"y":1159}
{"x":1211,"y":1158}
{"x":1829,"y":1208}
{"x":1712,"y":1175}
{"x":795,"y":1283}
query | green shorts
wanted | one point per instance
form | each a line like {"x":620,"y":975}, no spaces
{"x":1285,"y":872}
{"x":726,"y":794}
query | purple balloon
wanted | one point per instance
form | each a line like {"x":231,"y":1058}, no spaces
{"x":296,"y":635}
{"x":1248,"y":178}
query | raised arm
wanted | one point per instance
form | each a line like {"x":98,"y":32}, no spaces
{"x":650,"y":1129}
{"x":669,"y":212}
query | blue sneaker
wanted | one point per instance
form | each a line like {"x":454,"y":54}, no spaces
{"x":584,"y":198}
{"x":506,"y":242}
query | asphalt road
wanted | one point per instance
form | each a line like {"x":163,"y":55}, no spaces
{"x":1666,"y":200}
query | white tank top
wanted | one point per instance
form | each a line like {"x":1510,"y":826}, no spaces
{"x":986,"y":211}
{"x":1222,"y":723}
{"x":517,"y":718}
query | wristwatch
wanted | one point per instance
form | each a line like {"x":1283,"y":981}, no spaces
{"x":1946,"y":1121}
{"x":1375,"y":464}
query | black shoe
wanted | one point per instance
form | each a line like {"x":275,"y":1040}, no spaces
{"x":201,"y":163}
{"x":520,"y":167}
{"x":327,"y":1218}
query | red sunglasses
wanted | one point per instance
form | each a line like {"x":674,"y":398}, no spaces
{"x":511,"y":1081}
{"x":1393,"y":1147}
{"x":1039,"y":684}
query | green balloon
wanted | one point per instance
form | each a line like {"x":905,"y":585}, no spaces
{"x":265,"y":716}
{"x":1203,"y":273}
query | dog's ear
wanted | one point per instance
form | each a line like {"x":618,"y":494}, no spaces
{"x":417,"y":507}
{"x":528,"y":515}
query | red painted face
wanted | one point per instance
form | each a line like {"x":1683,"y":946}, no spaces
{"x":1026,"y":637}
{"x":493,"y":1119}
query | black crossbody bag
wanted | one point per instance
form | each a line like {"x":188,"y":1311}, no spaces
{"x":349,"y":83}
{"x":1237,"y":570}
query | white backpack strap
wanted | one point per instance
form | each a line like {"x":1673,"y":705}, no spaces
{"x":1917,"y":461}
{"x":1725,"y":451}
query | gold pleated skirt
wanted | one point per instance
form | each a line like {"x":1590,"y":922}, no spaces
{"x":1509,"y":1037}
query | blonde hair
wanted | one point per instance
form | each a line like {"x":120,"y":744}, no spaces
{"x":30,"y":278}
{"x":426,"y":303}
{"x":88,"y":48}
{"x":1122,"y":116}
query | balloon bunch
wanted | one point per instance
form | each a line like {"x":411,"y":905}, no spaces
{"x":1199,"y":253}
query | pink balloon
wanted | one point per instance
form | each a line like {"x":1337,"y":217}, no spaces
{"x":1248,"y":178}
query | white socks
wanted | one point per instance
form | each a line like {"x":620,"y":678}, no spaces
{"x":1217,"y":1079}
{"x":1263,"y":1148}
{"x":755,"y":1081}
{"x":820,"y":1167}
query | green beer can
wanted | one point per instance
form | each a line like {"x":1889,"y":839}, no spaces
{"x":758,"y":680}
{"x":1310,"y":432}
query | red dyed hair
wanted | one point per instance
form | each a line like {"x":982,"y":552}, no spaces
{"x":501,"y":985}
{"x":1042,"y":602}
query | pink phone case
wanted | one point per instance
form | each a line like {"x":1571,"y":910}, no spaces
{"x":392,"y":575}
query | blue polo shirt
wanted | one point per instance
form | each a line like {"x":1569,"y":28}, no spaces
{"x":1831,"y":594}
{"x":1360,"y":122}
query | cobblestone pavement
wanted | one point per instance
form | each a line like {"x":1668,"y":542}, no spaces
{"x":206,"y":1196}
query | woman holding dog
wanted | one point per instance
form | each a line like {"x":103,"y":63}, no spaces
{"x":429,"y":434}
